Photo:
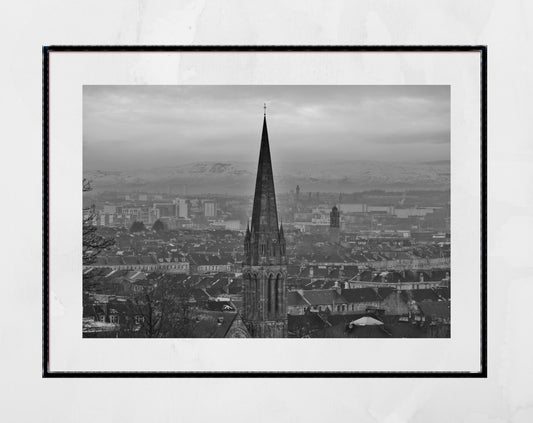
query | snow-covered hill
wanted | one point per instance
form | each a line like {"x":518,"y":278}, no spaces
{"x":239,"y":177}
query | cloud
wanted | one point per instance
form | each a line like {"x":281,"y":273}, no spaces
{"x":124,"y":126}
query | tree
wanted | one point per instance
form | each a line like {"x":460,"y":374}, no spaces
{"x":137,"y":226}
{"x":158,"y":226}
{"x":164,"y":310}
{"x":93,"y":243}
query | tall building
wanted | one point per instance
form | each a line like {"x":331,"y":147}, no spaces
{"x":210,"y":209}
{"x":265,"y":265}
{"x":182,"y":208}
{"x":334,"y":225}
{"x":165,"y":209}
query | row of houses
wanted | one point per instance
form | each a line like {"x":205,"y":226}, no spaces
{"x":129,"y":283}
{"x":382,"y":256}
{"x":193,"y":263}
{"x":327,"y":277}
{"x":385,"y":300}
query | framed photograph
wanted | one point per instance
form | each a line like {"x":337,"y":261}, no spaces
{"x":260,"y":211}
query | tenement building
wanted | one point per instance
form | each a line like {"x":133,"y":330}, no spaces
{"x":265,"y":265}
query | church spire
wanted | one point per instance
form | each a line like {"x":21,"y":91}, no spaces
{"x":264,"y":265}
{"x":264,"y":214}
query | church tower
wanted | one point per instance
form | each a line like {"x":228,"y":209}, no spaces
{"x":265,"y":265}
{"x":334,"y":225}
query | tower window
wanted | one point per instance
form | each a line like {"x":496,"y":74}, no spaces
{"x":277,"y":293}
{"x":269,"y":294}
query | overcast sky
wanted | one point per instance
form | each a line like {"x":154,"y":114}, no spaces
{"x":131,"y":127}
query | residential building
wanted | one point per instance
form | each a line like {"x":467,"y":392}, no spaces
{"x":210,"y":209}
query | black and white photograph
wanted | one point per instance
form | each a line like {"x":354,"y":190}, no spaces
{"x":266,"y":211}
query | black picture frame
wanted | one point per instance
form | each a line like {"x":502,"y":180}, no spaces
{"x":46,"y":373}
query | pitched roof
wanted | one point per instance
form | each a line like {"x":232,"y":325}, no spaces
{"x":309,"y":322}
{"x":318,"y":272}
{"x":220,"y":306}
{"x":113,"y":261}
{"x":294,"y":299}
{"x":133,"y":260}
{"x":206,"y":259}
{"x":443,"y":292}
{"x":366,"y":321}
{"x":360,"y":295}
{"x":349,"y":271}
{"x":323,"y":296}
{"x":435,"y":309}
{"x":385,"y":292}
{"x":199,"y":294}
{"x":420,"y":295}
{"x":211,"y":324}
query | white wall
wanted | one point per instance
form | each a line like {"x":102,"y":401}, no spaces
{"x":504,"y":25}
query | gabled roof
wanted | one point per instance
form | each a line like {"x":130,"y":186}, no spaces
{"x":435,"y":309}
{"x":360,"y":295}
{"x":420,"y":295}
{"x":366,"y":321}
{"x":294,"y":299}
{"x":214,"y":291}
{"x":323,"y":296}
{"x":350,"y":271}
{"x":366,"y":276}
{"x":205,"y":282}
{"x":199,"y":294}
{"x":385,"y":292}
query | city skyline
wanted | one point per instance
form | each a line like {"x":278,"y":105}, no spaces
{"x":130,"y":127}
{"x":376,"y":266}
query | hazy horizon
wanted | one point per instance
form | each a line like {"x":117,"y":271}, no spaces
{"x":281,"y":163}
{"x":144,"y":127}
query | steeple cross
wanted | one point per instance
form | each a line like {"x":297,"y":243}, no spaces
{"x":265,"y":107}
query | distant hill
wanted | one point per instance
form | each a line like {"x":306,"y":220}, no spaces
{"x":437,"y":163}
{"x":239,"y":177}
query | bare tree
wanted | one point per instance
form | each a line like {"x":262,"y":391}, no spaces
{"x":93,"y":243}
{"x":164,"y":311}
